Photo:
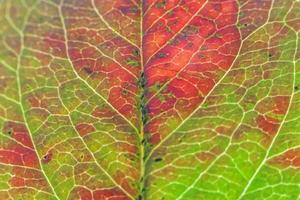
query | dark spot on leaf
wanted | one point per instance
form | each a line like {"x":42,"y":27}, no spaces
{"x":81,"y":156}
{"x":190,"y":30}
{"x":80,"y":38}
{"x":168,"y":29}
{"x":203,"y":48}
{"x":160,"y":24}
{"x":160,"y":4}
{"x":9,"y":132}
{"x":205,"y":105}
{"x":170,"y":13}
{"x":190,"y":44}
{"x":88,"y":70}
{"x":47,"y":158}
{"x":140,"y":197}
{"x":126,"y":10}
{"x":124,"y":92}
{"x":158,"y":159}
{"x":158,"y":85}
{"x":217,"y":35}
{"x":242,"y":25}
{"x":174,"y":41}
{"x":217,"y":7}
{"x":167,"y":65}
{"x":136,"y":52}
{"x":296,"y":88}
{"x":201,"y":56}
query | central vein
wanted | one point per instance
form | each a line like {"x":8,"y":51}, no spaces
{"x":143,"y":113}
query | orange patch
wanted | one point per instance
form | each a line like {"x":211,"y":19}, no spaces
{"x":17,"y":182}
{"x":122,"y":179}
{"x":109,"y":194}
{"x":81,"y":193}
{"x":267,"y":124}
{"x":204,"y":156}
{"x":289,"y":158}
{"x":281,"y":104}
{"x":85,"y":129}
{"x":18,"y":132}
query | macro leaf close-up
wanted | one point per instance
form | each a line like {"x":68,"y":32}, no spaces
{"x":149,"y":100}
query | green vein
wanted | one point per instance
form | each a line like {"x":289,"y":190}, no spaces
{"x":111,"y":28}
{"x":20,"y":32}
{"x":143,"y":141}
{"x":278,"y":131}
{"x":200,"y":106}
{"x":66,"y":43}
{"x":87,"y":84}
{"x":226,"y":149}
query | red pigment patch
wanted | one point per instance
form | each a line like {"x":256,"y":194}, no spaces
{"x":225,"y":130}
{"x":204,"y":156}
{"x":109,"y":194}
{"x":17,"y":182}
{"x":293,"y":18}
{"x":85,"y":129}
{"x":208,"y":155}
{"x":189,"y":65}
{"x":122,"y":52}
{"x":55,"y":44}
{"x":102,"y":112}
{"x":277,"y":105}
{"x":125,"y":15}
{"x":47,"y":100}
{"x":44,"y":59}
{"x":29,"y":177}
{"x":161,"y":23}
{"x":17,"y":154}
{"x":267,"y":124}
{"x":81,"y":193}
{"x":122,"y":179}
{"x":34,"y":102}
{"x":123,"y":102}
{"x":155,"y":139}
{"x":281,"y":104}
{"x":289,"y":158}
{"x":252,"y":15}
{"x":128,"y":148}
{"x":105,"y":60}
{"x":115,"y":83}
{"x":18,"y":132}
{"x":10,"y":157}
{"x":13,"y":42}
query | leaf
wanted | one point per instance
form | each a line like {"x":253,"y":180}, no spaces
{"x":153,"y":99}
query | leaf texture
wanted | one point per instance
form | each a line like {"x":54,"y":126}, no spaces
{"x":150,"y":99}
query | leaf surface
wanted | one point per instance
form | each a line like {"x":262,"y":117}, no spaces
{"x":153,"y":99}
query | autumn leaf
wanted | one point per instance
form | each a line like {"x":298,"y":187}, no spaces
{"x":150,"y":99}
